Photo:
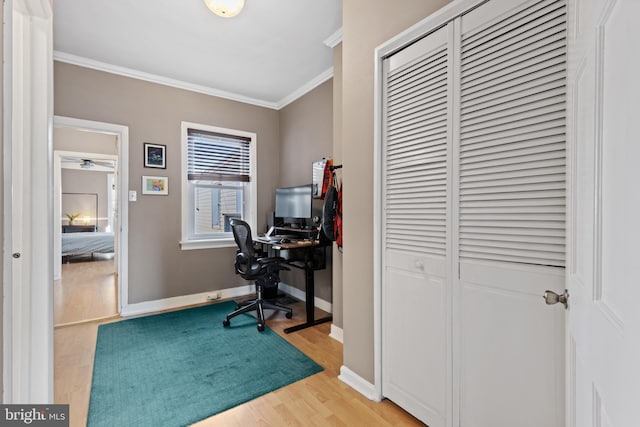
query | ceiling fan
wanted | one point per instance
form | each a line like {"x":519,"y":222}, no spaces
{"x":89,"y":163}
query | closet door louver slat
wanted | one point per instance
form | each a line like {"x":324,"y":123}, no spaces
{"x":416,"y":155}
{"x":512,"y":138}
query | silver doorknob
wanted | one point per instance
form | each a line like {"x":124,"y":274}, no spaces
{"x":551,"y":298}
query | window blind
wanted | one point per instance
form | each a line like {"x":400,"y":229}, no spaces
{"x":512,"y":138}
{"x":217,"y":157}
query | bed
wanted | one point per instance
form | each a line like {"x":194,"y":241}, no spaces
{"x":86,"y":243}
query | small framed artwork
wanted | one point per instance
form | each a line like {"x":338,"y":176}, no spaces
{"x":155,"y":156}
{"x":156,"y":185}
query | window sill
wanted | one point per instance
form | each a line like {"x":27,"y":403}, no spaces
{"x":188,"y":245}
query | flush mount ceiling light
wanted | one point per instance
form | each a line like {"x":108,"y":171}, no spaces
{"x":225,"y":8}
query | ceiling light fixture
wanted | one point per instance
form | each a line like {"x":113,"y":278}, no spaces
{"x":225,"y":8}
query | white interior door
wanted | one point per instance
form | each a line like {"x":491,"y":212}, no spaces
{"x":27,"y":287}
{"x":603,"y":339}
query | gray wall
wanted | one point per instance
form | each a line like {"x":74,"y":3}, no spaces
{"x":366,"y":25}
{"x":306,"y":134}
{"x":157,"y":267}
{"x":306,"y":127}
{"x":288,"y":142}
{"x":68,"y":139}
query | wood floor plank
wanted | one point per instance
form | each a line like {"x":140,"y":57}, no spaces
{"x":85,"y":291}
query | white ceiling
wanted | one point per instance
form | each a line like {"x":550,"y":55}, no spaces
{"x":268,"y":55}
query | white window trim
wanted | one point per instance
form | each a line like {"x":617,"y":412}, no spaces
{"x":250,"y":199}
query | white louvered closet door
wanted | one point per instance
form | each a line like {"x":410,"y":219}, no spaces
{"x":512,"y":213}
{"x":474,"y":219}
{"x":416,"y":292}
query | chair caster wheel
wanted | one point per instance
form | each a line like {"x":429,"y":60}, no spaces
{"x":288,"y":315}
{"x":225,"y":323}
{"x":260,"y":327}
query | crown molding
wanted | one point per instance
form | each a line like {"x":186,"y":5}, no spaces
{"x":154,"y":78}
{"x":306,"y":88}
{"x":334,"y":39}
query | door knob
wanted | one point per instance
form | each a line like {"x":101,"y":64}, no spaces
{"x":551,"y":298}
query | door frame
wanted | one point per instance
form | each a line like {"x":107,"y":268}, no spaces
{"x":27,"y":125}
{"x":121,"y":234}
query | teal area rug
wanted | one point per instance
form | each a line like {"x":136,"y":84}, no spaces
{"x":177,"y":368}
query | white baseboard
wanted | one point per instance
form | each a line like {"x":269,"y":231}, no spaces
{"x":147,"y":307}
{"x":297,"y":293}
{"x":358,"y":383}
{"x":336,"y":333}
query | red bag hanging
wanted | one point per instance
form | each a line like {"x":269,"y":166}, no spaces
{"x":337,"y":220}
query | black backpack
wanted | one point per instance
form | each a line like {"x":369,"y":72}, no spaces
{"x":329,"y":212}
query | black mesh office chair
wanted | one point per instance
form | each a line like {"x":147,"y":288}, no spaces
{"x":264,"y":271}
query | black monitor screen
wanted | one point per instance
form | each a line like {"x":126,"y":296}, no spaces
{"x":294,"y":202}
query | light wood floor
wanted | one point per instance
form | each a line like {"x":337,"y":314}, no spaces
{"x":86,"y":290}
{"x":319,"y":400}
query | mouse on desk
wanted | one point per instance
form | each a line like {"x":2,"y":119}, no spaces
{"x":285,"y":240}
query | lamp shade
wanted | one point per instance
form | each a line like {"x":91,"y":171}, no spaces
{"x":225,"y":8}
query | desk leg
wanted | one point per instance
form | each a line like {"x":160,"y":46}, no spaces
{"x":309,"y":286}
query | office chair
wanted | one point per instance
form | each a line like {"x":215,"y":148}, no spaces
{"x":264,"y":271}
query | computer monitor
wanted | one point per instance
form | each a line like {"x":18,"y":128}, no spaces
{"x":294,"y":203}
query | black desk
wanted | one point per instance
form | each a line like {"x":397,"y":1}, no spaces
{"x":307,"y":247}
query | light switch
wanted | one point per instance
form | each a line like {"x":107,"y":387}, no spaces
{"x":133,"y":195}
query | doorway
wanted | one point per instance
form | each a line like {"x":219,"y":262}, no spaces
{"x":90,"y":218}
{"x":86,"y":289}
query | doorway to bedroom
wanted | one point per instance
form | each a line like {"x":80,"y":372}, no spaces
{"x":87,"y":287}
{"x":88,"y":216}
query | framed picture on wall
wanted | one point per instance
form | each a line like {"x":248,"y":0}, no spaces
{"x":155,"y":185}
{"x":155,"y":156}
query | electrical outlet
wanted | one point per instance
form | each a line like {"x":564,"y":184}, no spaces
{"x":213,"y":296}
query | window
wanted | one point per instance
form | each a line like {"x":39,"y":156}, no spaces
{"x":218,"y":184}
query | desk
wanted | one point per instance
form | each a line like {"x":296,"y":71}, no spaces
{"x":307,"y":246}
